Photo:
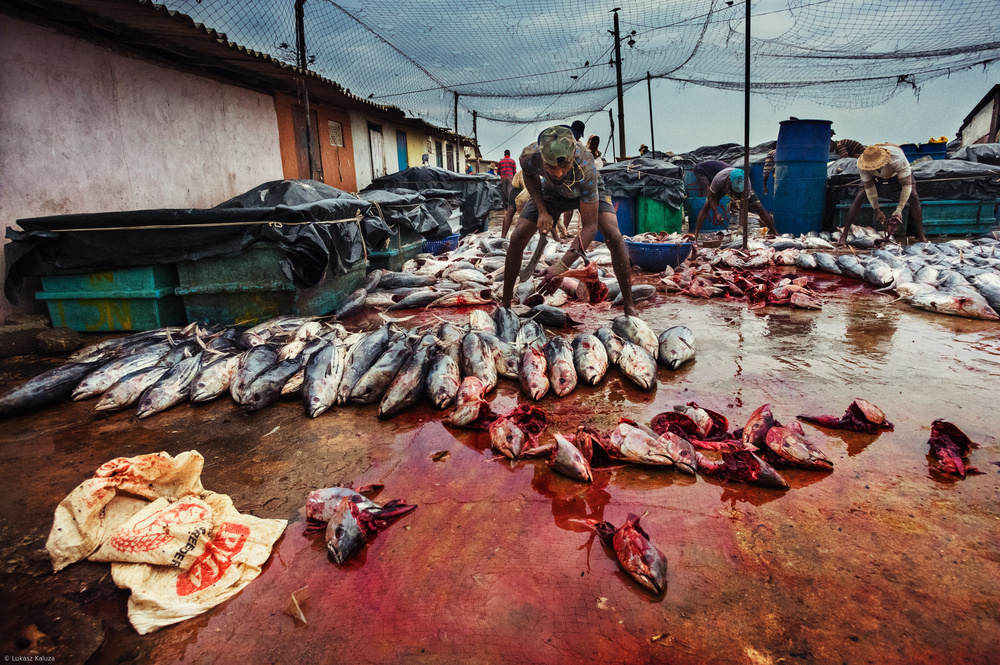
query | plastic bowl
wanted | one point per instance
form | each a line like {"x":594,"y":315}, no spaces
{"x":436,"y":247}
{"x":656,"y":256}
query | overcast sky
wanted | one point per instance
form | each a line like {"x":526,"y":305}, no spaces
{"x":686,"y":117}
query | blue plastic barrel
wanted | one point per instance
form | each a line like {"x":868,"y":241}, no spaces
{"x":691,"y":186}
{"x":625,"y":211}
{"x":757,"y":185}
{"x":713,"y":222}
{"x":803,"y":141}
{"x":800,"y":175}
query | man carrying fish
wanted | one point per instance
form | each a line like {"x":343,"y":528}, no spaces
{"x":885,"y":161}
{"x":559,"y":175}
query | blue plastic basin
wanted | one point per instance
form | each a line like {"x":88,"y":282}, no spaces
{"x":656,"y":256}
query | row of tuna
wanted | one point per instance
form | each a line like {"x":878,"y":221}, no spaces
{"x":956,"y":277}
{"x":328,"y":365}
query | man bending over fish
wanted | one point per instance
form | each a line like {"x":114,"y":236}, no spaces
{"x":559,"y":175}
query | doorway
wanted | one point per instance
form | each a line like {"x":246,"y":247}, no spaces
{"x":378,"y":150}
{"x":306,"y":170}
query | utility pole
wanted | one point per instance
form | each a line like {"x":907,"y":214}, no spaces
{"x":475,"y":138}
{"x":618,"y":71}
{"x":611,"y":139}
{"x":745,"y":198}
{"x":300,"y":50}
{"x":458,"y":140}
{"x":649,"y":89}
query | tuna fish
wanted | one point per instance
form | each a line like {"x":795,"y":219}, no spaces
{"x":955,"y":305}
{"x":172,"y":388}
{"x":878,"y":274}
{"x":395,"y":280}
{"x":507,"y":323}
{"x":267,"y":387}
{"x":827,"y":263}
{"x":214,"y":378}
{"x":252,"y":363}
{"x":130,"y":388}
{"x":408,"y":386}
{"x":636,"y":555}
{"x":561,"y":370}
{"x":805,"y":261}
{"x":352,"y":520}
{"x":515,"y":435}
{"x":676,"y":346}
{"x":464,"y":298}
{"x":419,"y":298}
{"x":745,"y":467}
{"x":471,"y":409}
{"x":107,"y":375}
{"x":46,"y":389}
{"x":554,"y":317}
{"x":637,"y":331}
{"x":443,"y":380}
{"x":530,"y":334}
{"x":478,"y":360}
{"x":850,"y":266}
{"x":590,"y":358}
{"x":480,"y":321}
{"x":534,"y":372}
{"x":636,"y":364}
{"x":755,"y":431}
{"x":612,"y":343}
{"x":322,"y":378}
{"x":640,"y":292}
{"x":506,"y":356}
{"x":370,"y":387}
{"x":567,"y":460}
{"x":360,"y":359}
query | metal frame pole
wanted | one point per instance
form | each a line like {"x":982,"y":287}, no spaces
{"x":745,"y":199}
{"x":300,"y":38}
{"x":649,"y":89}
{"x":621,"y":98}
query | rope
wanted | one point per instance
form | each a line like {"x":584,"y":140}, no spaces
{"x":277,"y":225}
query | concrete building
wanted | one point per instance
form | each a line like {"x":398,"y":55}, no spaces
{"x":982,"y":125}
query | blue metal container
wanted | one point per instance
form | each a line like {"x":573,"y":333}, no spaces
{"x":803,"y":141}
{"x":625,"y":211}
{"x":800,"y":175}
{"x":713,"y":222}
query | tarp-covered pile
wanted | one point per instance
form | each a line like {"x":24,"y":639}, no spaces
{"x":652,"y":178}
{"x":479,"y":193}
{"x":318,"y":226}
{"x":938,"y":179}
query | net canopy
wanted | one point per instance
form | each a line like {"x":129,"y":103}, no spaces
{"x":526,"y":61}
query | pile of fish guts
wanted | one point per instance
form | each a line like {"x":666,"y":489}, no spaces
{"x":328,"y":365}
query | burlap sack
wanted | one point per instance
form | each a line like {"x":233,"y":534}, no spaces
{"x":180,"y":549}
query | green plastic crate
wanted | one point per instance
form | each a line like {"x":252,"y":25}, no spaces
{"x":147,"y":278}
{"x":941,"y":218}
{"x":97,"y":311}
{"x":251,"y":288}
{"x":652,"y":216}
{"x":114,"y":300}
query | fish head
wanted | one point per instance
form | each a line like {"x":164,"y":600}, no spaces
{"x":755,"y":431}
{"x":507,"y":438}
{"x":640,"y":558}
{"x":344,"y":536}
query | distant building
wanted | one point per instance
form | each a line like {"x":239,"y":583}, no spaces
{"x":983,"y":124}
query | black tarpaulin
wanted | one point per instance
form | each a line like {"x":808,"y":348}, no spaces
{"x":653,"y":178}
{"x":983,"y":153}
{"x":406,"y":209}
{"x":480,"y":193}
{"x":937,"y":180}
{"x":318,"y":226}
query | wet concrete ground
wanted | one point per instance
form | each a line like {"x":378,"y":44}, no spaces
{"x":883,"y":560}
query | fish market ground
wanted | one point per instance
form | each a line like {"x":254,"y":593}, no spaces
{"x":881,"y":561}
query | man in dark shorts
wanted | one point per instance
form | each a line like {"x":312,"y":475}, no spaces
{"x":559,"y":175}
{"x":507,"y":168}
{"x":719,"y":181}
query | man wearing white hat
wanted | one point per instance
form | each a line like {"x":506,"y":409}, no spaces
{"x":886,"y":161}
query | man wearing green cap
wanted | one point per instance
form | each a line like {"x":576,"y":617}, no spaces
{"x":730,"y":182}
{"x":559,"y":175}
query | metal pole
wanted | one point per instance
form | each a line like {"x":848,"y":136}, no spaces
{"x":475,"y":138}
{"x":458,"y":140}
{"x":300,"y":39}
{"x":611,"y":139}
{"x":621,"y":99}
{"x":745,"y":199}
{"x":649,"y":89}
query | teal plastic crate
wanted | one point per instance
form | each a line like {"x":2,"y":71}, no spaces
{"x":144,"y":279}
{"x":114,"y":300}
{"x":397,"y":250}
{"x":941,"y":218}
{"x":251,"y":288}
{"x":97,"y":311}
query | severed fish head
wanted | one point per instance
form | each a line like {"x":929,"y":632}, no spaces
{"x":569,"y":461}
{"x":344,"y":535}
{"x":640,"y":558}
{"x":795,"y":449}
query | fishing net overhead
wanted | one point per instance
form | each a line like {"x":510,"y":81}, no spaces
{"x":525,"y":61}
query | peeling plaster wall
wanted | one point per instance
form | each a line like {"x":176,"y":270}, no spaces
{"x":86,"y":129}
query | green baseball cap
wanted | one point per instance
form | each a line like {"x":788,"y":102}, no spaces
{"x":557,"y":145}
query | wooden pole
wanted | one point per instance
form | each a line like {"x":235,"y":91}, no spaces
{"x":649,"y":89}
{"x":745,"y":199}
{"x":621,"y":97}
